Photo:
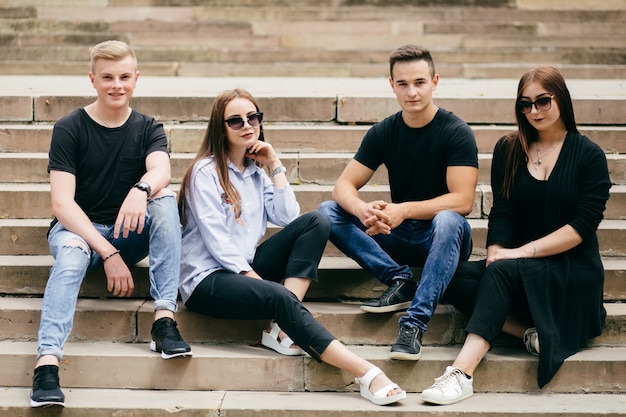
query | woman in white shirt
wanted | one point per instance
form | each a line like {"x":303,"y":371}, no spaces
{"x":226,"y":200}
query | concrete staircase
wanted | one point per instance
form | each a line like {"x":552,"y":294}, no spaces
{"x":329,"y":38}
{"x":316,"y":124}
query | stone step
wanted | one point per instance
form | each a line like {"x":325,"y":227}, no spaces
{"x":266,"y":20}
{"x":514,"y":70}
{"x":130,"y":321}
{"x":26,"y":236}
{"x":171,"y":11}
{"x":550,"y":10}
{"x":449,"y":52}
{"x":340,"y":278}
{"x":250,"y":368}
{"x":32,"y":201}
{"x":188,"y":99}
{"x":353,"y":36}
{"x":315,"y":39}
{"x":321,"y":168}
{"x":153,"y":403}
{"x":240,"y":68}
{"x":294,"y":137}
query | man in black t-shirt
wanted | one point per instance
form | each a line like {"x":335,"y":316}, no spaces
{"x":432,"y":162}
{"x":109,"y":171}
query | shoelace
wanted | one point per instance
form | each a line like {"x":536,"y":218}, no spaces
{"x":448,"y":379}
{"x":168,"y":331}
{"x":391,"y":289}
{"x":388,"y":291}
{"x":46,"y":380}
{"x":406,"y":336}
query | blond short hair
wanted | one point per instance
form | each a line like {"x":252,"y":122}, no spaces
{"x":113,"y":50}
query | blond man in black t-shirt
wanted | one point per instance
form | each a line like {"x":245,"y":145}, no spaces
{"x":109,"y":172}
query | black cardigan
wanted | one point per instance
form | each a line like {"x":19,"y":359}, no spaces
{"x":565,"y":291}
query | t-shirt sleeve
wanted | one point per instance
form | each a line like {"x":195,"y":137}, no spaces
{"x":463,"y":150}
{"x":371,"y":151}
{"x":157,"y":139}
{"x":64,"y":146}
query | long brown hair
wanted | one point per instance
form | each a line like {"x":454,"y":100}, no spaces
{"x":519,"y":142}
{"x":215,"y":144}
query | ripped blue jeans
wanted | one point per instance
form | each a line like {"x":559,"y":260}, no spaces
{"x":160,"y":239}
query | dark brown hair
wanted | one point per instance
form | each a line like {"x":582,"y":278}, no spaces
{"x":214,"y":143}
{"x":519,"y":142}
{"x":408,"y":53}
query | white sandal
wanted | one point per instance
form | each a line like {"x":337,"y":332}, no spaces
{"x":379,"y":397}
{"x":283,"y":347}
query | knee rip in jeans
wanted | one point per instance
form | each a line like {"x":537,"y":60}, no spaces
{"x":76,"y":243}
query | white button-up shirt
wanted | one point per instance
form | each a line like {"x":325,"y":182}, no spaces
{"x":213,"y":237}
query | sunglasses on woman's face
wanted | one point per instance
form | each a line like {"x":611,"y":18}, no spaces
{"x":541,"y":104}
{"x":237,"y":123}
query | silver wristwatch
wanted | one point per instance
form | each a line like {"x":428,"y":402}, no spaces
{"x":144,"y":186}
{"x":278,"y":170}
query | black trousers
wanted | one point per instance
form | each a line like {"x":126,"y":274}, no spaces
{"x":488,"y":295}
{"x":295,"y":251}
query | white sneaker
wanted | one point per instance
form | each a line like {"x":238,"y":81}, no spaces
{"x":451,"y":387}
{"x":531,"y":340}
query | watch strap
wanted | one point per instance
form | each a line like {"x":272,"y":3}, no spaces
{"x":278,"y":170}
{"x":144,"y":186}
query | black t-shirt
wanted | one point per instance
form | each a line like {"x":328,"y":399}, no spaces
{"x":417,"y":158}
{"x":106,"y":162}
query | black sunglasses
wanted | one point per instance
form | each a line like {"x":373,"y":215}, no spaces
{"x":237,"y":123}
{"x":541,"y":104}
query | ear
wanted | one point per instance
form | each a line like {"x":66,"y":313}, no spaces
{"x":92,"y":78}
{"x":435,"y":81}
{"x":391,"y":82}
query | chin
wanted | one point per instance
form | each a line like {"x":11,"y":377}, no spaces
{"x":414,"y":109}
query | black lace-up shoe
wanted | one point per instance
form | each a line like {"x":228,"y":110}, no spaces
{"x":408,"y":345}
{"x":46,"y":390}
{"x":167,"y":340}
{"x":397,"y":297}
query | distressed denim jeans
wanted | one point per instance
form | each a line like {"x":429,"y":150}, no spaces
{"x":437,"y":246}
{"x":160,"y":239}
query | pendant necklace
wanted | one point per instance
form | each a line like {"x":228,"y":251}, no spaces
{"x":537,"y":162}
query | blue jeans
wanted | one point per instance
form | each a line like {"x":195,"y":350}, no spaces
{"x":437,"y":246}
{"x":160,"y":239}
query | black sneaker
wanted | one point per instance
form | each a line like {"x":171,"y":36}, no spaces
{"x":397,"y":297}
{"x":408,"y":345}
{"x":46,"y":390}
{"x":167,"y":340}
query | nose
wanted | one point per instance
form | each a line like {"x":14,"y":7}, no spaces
{"x":246,"y":122}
